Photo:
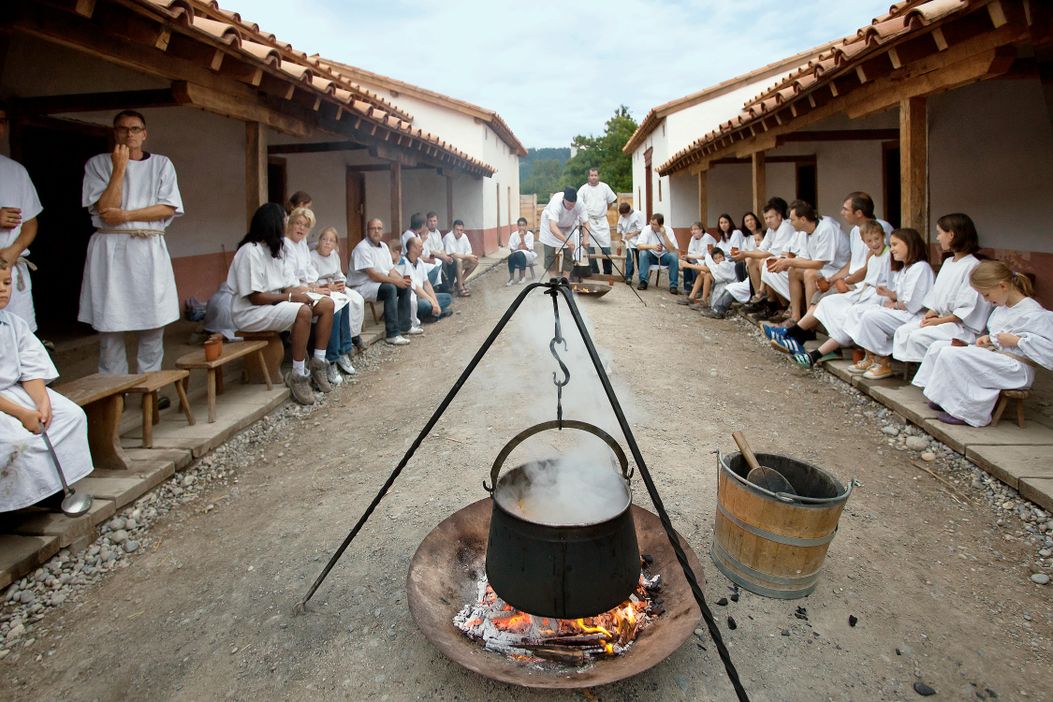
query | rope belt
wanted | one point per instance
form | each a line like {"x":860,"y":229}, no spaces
{"x":1022,"y":359}
{"x":135,"y":233}
{"x":23,"y":261}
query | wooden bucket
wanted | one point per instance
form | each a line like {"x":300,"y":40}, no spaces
{"x":774,"y":544}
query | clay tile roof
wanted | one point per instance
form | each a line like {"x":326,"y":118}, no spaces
{"x":221,"y":30}
{"x":324,"y":84}
{"x":180,"y":10}
{"x":931,"y":11}
{"x":267,"y":54}
{"x":301,"y":73}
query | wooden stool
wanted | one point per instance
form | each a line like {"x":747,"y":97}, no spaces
{"x":155,"y":381}
{"x":373,"y":311}
{"x":101,"y":397}
{"x":214,"y":368}
{"x":1003,"y":400}
{"x":273,"y":355}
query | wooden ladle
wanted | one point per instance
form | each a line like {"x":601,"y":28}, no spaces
{"x":761,"y":476}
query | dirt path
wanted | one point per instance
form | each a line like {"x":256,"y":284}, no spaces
{"x":206,"y":611}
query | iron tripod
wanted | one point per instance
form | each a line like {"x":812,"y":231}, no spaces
{"x":554,"y":288}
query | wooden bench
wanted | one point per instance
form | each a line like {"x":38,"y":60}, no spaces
{"x":153,"y":382}
{"x":273,"y":355}
{"x":231,"y":352}
{"x":101,"y":397}
{"x":1003,"y":400}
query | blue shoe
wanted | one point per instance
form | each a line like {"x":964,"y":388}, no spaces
{"x":804,"y":360}
{"x":787,"y":345}
{"x":772,"y":331}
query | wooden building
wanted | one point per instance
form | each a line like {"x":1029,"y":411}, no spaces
{"x":937,"y":106}
{"x":246,"y":118}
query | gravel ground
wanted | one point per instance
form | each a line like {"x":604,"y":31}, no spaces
{"x":189,"y":593}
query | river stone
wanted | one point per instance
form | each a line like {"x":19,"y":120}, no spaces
{"x":917,"y":443}
{"x":1040,"y":579}
{"x":890,"y":429}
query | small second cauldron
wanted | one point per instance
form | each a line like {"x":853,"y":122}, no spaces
{"x":568,"y":570}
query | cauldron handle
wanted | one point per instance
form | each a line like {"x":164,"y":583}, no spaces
{"x":522,"y":436}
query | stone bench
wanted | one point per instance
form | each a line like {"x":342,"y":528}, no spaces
{"x":102,"y":399}
{"x":231,"y":352}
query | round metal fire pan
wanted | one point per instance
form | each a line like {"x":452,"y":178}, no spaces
{"x":446,"y":567}
{"x":590,"y":289}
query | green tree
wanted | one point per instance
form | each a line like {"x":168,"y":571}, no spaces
{"x":543,"y":179}
{"x":603,"y":152}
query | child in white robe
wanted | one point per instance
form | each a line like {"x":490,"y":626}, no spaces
{"x":269,"y":297}
{"x":722,"y":273}
{"x":692,"y":263}
{"x":955,"y":309}
{"x":963,"y":382}
{"x":871,"y":326}
{"x":832,"y":310}
{"x":27,"y":473}
{"x":325,"y":258}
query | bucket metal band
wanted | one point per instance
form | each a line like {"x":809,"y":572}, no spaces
{"x":777,"y":538}
{"x":782,"y":496}
{"x":722,"y":559}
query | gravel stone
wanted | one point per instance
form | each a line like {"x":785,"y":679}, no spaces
{"x":1040,"y":579}
{"x":118,"y":536}
{"x":131,"y":545}
{"x":917,"y":443}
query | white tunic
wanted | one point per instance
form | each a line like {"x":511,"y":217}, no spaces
{"x":734,"y":241}
{"x":16,"y":190}
{"x":951,"y":294}
{"x":966,"y":381}
{"x":433,"y":243}
{"x":779,"y":241}
{"x":632,"y":222}
{"x":860,"y":251}
{"x":364,"y":256}
{"x":406,"y":236}
{"x":649,"y":237}
{"x":873,"y":326}
{"x":255,"y":270}
{"x":564,"y":219}
{"x":27,"y":474}
{"x":514,"y":242}
{"x":827,"y":243}
{"x":298,"y":258}
{"x":697,"y":249}
{"x":597,"y":200}
{"x":328,"y":268}
{"x":457,"y":245}
{"x":723,"y":275}
{"x":832,"y":310}
{"x":128,"y":281}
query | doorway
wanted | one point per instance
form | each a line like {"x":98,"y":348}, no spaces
{"x":807,"y":182}
{"x":355,"y":182}
{"x":648,"y":176}
{"x":277,"y":176}
{"x":54,"y":153}
{"x":890,"y":172}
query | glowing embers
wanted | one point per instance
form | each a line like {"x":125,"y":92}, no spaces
{"x":575,"y":642}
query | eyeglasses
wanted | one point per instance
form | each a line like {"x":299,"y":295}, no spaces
{"x":130,"y":130}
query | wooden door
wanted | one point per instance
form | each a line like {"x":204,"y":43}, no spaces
{"x":356,"y":209}
{"x":648,"y":192}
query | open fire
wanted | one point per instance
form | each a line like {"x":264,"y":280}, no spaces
{"x":524,"y":637}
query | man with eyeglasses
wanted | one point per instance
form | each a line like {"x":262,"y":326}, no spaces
{"x":128,"y":285}
{"x":19,"y":207}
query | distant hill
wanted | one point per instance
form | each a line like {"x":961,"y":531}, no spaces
{"x":540,"y":170}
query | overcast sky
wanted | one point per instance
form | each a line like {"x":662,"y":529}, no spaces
{"x":557,"y":69}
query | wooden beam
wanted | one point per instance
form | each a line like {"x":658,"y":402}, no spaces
{"x":839,"y":135}
{"x":449,"y":201}
{"x":703,"y":199}
{"x":85,"y":8}
{"x":758,"y":179}
{"x":316,"y":147}
{"x":370,"y":167}
{"x":233,"y":106}
{"x":396,"y":198}
{"x":914,"y":164}
{"x":255,"y":168}
{"x":97,"y":102}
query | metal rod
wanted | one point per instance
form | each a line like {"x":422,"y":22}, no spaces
{"x":656,"y":499}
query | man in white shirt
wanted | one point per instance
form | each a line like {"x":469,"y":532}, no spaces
{"x":459,"y":246}
{"x":443,"y":267}
{"x":630,"y":224}
{"x":129,"y":285}
{"x":658,"y":246}
{"x":564,"y":225}
{"x":429,"y":306}
{"x":857,"y":208}
{"x":417,"y":228}
{"x":597,"y":197}
{"x":825,"y":251}
{"x":374,"y":276}
{"x":778,"y":242}
{"x":19,"y":207}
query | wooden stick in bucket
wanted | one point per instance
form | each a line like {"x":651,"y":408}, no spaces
{"x":759,"y":475}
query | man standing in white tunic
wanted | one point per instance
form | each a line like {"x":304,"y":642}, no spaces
{"x":128,"y":284}
{"x":564,"y":225}
{"x":598,"y":197}
{"x":19,"y":208}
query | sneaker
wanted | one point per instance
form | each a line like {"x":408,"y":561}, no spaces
{"x":804,"y":360}
{"x":788,"y":345}
{"x":674,"y":291}
{"x":344,"y":364}
{"x":774,"y":331}
{"x":319,"y":370}
{"x":642,"y":285}
{"x":687,"y":301}
{"x":860,"y":367}
{"x":415,"y":330}
{"x":163,"y":403}
{"x":878,"y":372}
{"x":510,"y":283}
{"x":397,"y":340}
{"x":332,"y":374}
{"x":300,"y":388}
{"x":756,"y":305}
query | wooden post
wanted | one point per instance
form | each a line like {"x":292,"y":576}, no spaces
{"x":703,"y":200}
{"x":396,"y":199}
{"x":759,"y":184}
{"x":497,"y":187}
{"x":914,"y":164}
{"x":255,"y":168}
{"x":449,"y":201}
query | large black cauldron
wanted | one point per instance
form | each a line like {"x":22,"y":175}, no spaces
{"x":566,"y":571}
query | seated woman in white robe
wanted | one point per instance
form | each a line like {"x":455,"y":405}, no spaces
{"x":325,"y":258}
{"x":872,"y":326}
{"x":832,"y":310}
{"x":27,"y":473}
{"x":963,"y":382}
{"x":268,"y":297}
{"x":955,"y":309}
